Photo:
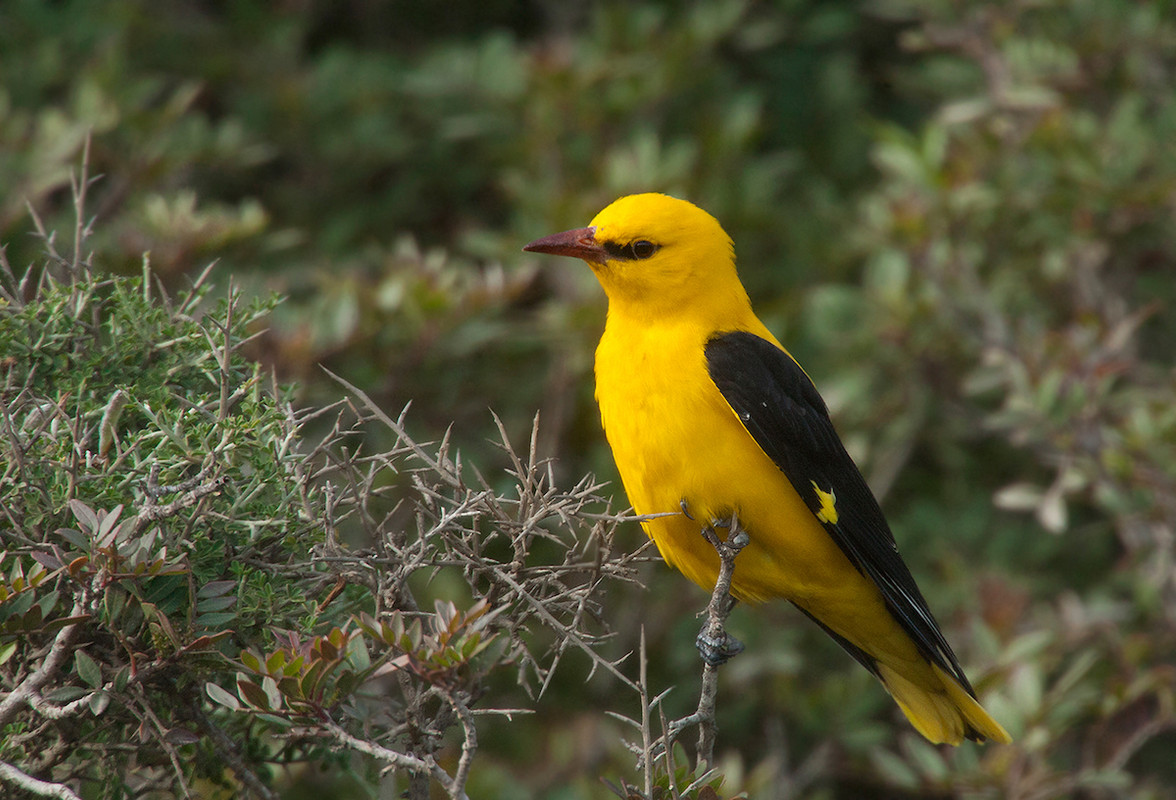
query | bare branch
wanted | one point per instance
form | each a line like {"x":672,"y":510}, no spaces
{"x":58,"y":653}
{"x":38,"y":787}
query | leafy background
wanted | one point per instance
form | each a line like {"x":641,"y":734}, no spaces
{"x":960,"y":217}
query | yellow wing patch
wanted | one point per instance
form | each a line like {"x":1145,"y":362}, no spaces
{"x":828,"y":512}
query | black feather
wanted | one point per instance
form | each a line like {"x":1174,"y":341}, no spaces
{"x":782,"y":410}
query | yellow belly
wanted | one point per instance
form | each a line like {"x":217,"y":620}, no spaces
{"x":675,"y":441}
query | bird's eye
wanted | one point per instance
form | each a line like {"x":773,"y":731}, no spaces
{"x":642,"y":248}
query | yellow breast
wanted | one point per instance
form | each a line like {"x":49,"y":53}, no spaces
{"x":675,"y":440}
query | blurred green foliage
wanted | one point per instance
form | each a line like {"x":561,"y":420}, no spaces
{"x":958,"y":216}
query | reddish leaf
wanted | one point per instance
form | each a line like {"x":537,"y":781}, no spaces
{"x":290,"y":688}
{"x":310,"y":681}
{"x":252,"y":694}
{"x":327,"y":650}
{"x":47,"y":560}
{"x":84,"y":515}
{"x":180,"y":736}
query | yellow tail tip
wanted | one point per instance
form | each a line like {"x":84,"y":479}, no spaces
{"x":943,"y":714}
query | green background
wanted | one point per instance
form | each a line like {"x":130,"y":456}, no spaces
{"x":959,"y":217}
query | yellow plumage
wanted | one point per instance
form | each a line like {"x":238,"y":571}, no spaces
{"x":668,"y":269}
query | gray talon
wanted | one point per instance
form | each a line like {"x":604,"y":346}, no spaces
{"x":717,"y":651}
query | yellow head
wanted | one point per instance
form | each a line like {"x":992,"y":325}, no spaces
{"x":654,"y":254}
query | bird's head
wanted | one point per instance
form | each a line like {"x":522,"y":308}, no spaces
{"x":653,"y":253}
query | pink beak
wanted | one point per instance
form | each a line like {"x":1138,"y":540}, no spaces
{"x":579,"y":243}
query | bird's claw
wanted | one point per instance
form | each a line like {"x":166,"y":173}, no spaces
{"x":736,"y":540}
{"x":717,"y":650}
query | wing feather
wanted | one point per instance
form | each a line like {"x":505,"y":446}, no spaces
{"x":782,"y":410}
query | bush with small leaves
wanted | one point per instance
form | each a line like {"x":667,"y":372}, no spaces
{"x":128,"y":605}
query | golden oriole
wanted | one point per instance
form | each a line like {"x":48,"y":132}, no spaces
{"x":708,"y":416}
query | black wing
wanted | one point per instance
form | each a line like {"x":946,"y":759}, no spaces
{"x":784,"y":413}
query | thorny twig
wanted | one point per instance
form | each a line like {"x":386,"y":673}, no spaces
{"x":469,"y":744}
{"x":715,"y":644}
{"x":227,"y":749}
{"x":393,"y":757}
{"x":439,"y":516}
{"x":139,"y":705}
{"x":194,"y":490}
{"x":646,"y":725}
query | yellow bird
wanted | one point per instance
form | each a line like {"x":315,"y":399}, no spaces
{"x":708,"y":416}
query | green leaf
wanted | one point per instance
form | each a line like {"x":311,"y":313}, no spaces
{"x":20,"y":605}
{"x":310,"y":680}
{"x":219,"y":695}
{"x":121,"y":678}
{"x":76,"y":538}
{"x":180,"y":737}
{"x":216,"y":589}
{"x":215,"y":620}
{"x":115,"y":601}
{"x":46,"y":559}
{"x":88,"y":669}
{"x":98,"y":703}
{"x":215,"y":604}
{"x":289,"y":688}
{"x":66,"y":694}
{"x":275,"y":662}
{"x":206,"y":642}
{"x":894,"y":769}
{"x":357,"y":653}
{"x":250,"y":660}
{"x":106,"y":525}
{"x":270,"y":687}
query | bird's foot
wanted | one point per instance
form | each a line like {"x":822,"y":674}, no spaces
{"x":717,"y":650}
{"x":736,"y":540}
{"x":714,"y":644}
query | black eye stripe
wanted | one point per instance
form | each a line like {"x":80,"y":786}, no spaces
{"x":630,"y":251}
{"x":616,"y":249}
